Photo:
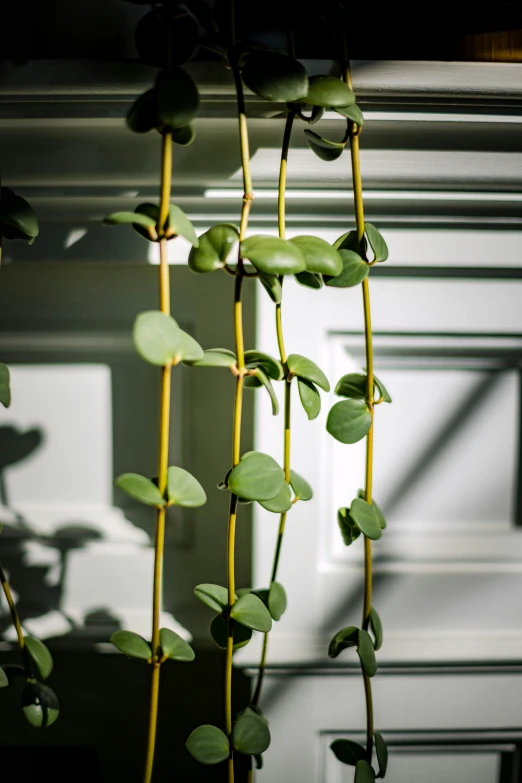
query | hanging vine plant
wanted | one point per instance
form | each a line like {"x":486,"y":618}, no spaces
{"x":40,"y":704}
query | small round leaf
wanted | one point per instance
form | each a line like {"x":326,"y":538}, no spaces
{"x":174,"y":646}
{"x":277,"y":600}
{"x":354,"y":270}
{"x":272,"y":367}
{"x":214,"y":596}
{"x":366,"y":653}
{"x":301,"y":487}
{"x":4,"y":680}
{"x":324,"y":148}
{"x":352,"y":386}
{"x":142,"y":116}
{"x":180,"y":225}
{"x":365,"y":518}
{"x":208,"y":745}
{"x":310,"y":280}
{"x":184,"y":136}
{"x":307,"y":369}
{"x":215,"y":357}
{"x":40,"y":704}
{"x":349,"y":530}
{"x":249,"y":610}
{"x":376,"y":628}
{"x":256,"y":477}
{"x":126,"y":218}
{"x":310,"y":398}
{"x":183,"y":489}
{"x":329,"y":92}
{"x":382,"y":754}
{"x":352,"y":113}
{"x":157,"y":337}
{"x":41,"y":660}
{"x":250,"y":733}
{"x":132,"y":644}
{"x":364,"y":772}
{"x":377,"y":243}
{"x":272,"y":286}
{"x":380,"y":515}
{"x":275,"y":77}
{"x":215,"y":246}
{"x":178,"y":99}
{"x":384,"y":396}
{"x":219,"y":632}
{"x":17,"y":217}
{"x":140,"y":488}
{"x":273,"y":255}
{"x":280,"y":503}
{"x":347,"y":751}
{"x":349,"y":421}
{"x":319,"y":256}
{"x":346,"y":637}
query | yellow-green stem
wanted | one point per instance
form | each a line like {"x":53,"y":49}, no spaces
{"x":163,"y":458}
{"x":238,"y":399}
{"x":12,"y":608}
{"x":368,"y":577}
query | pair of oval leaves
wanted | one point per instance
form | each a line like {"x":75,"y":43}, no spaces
{"x":352,"y":753}
{"x":172,"y":645}
{"x":250,"y":736}
{"x":17,"y":218}
{"x":359,"y":638}
{"x":145,"y":220}
{"x":183,"y":489}
{"x":248,"y":609}
{"x":361,"y":517}
{"x":170,"y":106}
{"x":350,"y":420}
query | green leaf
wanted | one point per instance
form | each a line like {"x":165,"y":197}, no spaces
{"x":307,"y":369}
{"x":250,"y":733}
{"x":309,"y":280}
{"x":180,"y":225}
{"x":4,"y":680}
{"x":183,"y":489}
{"x":310,"y":398}
{"x":353,"y":272}
{"x":277,"y":600}
{"x":349,"y":421}
{"x":349,"y":530}
{"x":40,"y":704}
{"x":352,"y":113}
{"x":272,"y":286}
{"x":347,"y":751}
{"x":189,"y":350}
{"x":40,"y":658}
{"x":352,"y":385}
{"x":140,"y":488}
{"x":329,"y":92}
{"x":380,"y":515}
{"x":382,"y":754}
{"x":301,"y":487}
{"x":177,"y":96}
{"x":348,"y":241}
{"x":208,"y":745}
{"x":377,"y":243}
{"x":382,"y":390}
{"x":366,"y":653}
{"x":184,"y":136}
{"x":142,"y":116}
{"x":273,"y":255}
{"x":346,"y":637}
{"x":259,"y":761}
{"x":174,"y":646}
{"x":214,"y":596}
{"x":219,"y":632}
{"x":152,"y":212}
{"x":215,"y":246}
{"x":324,"y":148}
{"x":272,"y":367}
{"x":319,"y":256}
{"x":275,"y":77}
{"x":157,"y":337}
{"x":125,"y":218}
{"x":132,"y":645}
{"x":376,"y":628}
{"x":249,"y":610}
{"x":215,"y":357}
{"x":257,"y":476}
{"x":17,"y":217}
{"x":365,"y":518}
{"x":5,"y":385}
{"x":364,"y":772}
{"x":280,"y":503}
{"x":265,"y":381}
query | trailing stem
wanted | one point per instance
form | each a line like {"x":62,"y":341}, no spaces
{"x":163,"y":455}
{"x":281,"y":213}
{"x":238,"y":401}
{"x":12,"y":608}
{"x":367,"y":604}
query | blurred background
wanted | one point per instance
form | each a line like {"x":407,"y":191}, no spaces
{"x":442,"y":169}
